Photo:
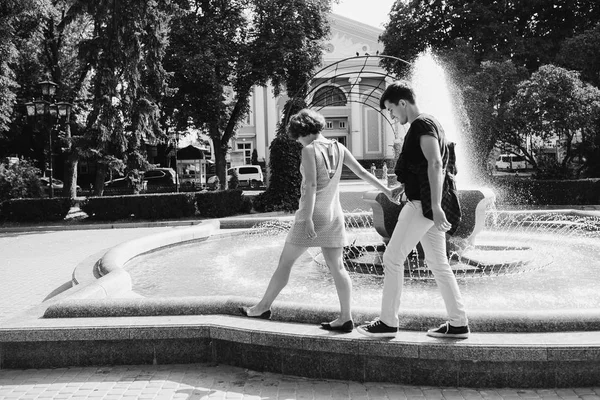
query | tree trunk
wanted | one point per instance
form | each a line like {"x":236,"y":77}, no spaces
{"x":70,"y":184}
{"x":220,"y":156}
{"x":100,"y":178}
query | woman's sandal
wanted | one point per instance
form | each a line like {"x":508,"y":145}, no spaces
{"x":265,"y":315}
{"x":347,"y":326}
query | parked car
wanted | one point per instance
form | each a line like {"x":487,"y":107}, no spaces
{"x":511,"y":162}
{"x":57,"y":185}
{"x":153,"y":177}
{"x":160,"y":177}
{"x":248,"y":175}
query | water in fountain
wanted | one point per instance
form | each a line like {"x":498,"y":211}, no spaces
{"x":555,"y":277}
{"x":432,"y":87}
{"x":531,"y":271}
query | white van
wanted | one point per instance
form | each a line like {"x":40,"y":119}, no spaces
{"x":248,"y":175}
{"x":510,"y":162}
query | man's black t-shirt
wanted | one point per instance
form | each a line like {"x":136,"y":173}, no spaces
{"x":412,"y":156}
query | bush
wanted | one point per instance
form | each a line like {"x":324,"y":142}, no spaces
{"x":222,"y":203}
{"x":283,"y":192}
{"x":510,"y":191}
{"x":35,"y":210}
{"x":234,"y":181}
{"x":148,"y":206}
{"x":19,"y":180}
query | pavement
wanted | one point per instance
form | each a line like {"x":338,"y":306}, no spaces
{"x":36,"y":263}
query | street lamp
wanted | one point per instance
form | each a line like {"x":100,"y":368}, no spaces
{"x":43,"y":109}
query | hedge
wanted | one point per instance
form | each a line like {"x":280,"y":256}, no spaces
{"x":524,"y":191}
{"x":146,"y":206}
{"x":222,"y":203}
{"x":35,"y":210}
{"x":167,"y":205}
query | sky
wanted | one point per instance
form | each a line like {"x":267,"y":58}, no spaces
{"x":371,"y":12}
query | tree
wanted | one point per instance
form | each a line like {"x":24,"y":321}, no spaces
{"x":255,"y":157}
{"x":220,"y":50}
{"x":527,"y":32}
{"x":486,"y":98}
{"x":124,"y":56}
{"x":283,"y":192}
{"x":555,"y":103}
{"x":580,"y":53}
{"x":17,"y":22}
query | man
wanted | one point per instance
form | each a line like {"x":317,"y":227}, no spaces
{"x":421,"y":168}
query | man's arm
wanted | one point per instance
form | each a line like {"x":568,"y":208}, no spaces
{"x":431,"y":151}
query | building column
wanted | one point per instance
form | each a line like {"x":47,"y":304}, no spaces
{"x":272,"y":116}
{"x":356,"y":120}
{"x":260,"y":119}
{"x":393,"y":136}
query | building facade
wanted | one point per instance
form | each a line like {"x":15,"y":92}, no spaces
{"x":346,"y":93}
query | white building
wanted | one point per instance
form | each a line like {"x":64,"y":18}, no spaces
{"x":360,"y":127}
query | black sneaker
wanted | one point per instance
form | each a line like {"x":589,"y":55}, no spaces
{"x":377,"y":329}
{"x":448,"y":331}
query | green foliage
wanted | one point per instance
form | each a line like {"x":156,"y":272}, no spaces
{"x":124,"y":55}
{"x":35,"y":210}
{"x":486,"y":97}
{"x":221,"y":50}
{"x":580,"y":53}
{"x":17,"y":26}
{"x":552,"y":170}
{"x":510,"y":191}
{"x":528,"y":33}
{"x":283,"y":192}
{"x":234,"y":181}
{"x":147,"y":207}
{"x":590,"y":152}
{"x":555,"y":102}
{"x":20,"y":180}
{"x":222,"y":203}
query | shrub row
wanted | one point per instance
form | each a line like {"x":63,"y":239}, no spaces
{"x":35,"y":210}
{"x":511,"y":191}
{"x":167,"y":205}
{"x":222,"y":203}
{"x":146,"y":206}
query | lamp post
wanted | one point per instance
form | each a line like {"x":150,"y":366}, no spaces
{"x":44,"y":109}
{"x":176,"y":166}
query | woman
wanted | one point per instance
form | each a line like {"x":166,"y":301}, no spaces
{"x":319,"y":221}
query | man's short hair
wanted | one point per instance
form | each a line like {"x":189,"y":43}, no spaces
{"x":396,"y":91}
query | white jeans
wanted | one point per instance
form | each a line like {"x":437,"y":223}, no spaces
{"x":412,"y":227}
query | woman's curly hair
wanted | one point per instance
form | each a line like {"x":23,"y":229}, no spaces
{"x":305,"y":122}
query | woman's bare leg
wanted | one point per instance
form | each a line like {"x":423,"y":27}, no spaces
{"x":289,"y":255}
{"x":343,"y":283}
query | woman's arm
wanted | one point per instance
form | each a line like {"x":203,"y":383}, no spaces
{"x":363,"y":174}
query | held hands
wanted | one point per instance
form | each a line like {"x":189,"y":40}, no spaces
{"x":310,"y":229}
{"x":439,"y":219}
{"x":395,"y":193}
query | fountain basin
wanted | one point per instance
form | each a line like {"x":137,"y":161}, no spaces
{"x":79,"y":334}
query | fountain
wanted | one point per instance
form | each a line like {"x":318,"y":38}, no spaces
{"x":109,"y":317}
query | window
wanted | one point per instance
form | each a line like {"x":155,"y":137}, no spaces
{"x":329,"y":96}
{"x":247,"y":148}
{"x":153,"y":174}
{"x":328,"y":125}
{"x":248,"y":170}
{"x":342,"y":124}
